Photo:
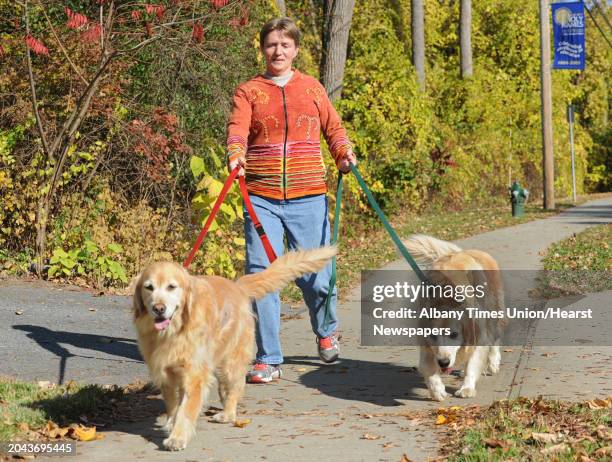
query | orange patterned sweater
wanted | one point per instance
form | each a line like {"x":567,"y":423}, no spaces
{"x":278,"y":132}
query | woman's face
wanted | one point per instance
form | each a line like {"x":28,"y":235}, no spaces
{"x":280,"y":51}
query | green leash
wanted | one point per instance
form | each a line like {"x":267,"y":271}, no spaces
{"x":334,"y":241}
{"x":398,"y":242}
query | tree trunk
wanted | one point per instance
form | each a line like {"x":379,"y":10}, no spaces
{"x":336,"y":27}
{"x":418,"y":41}
{"x":465,"y":34}
{"x":282,"y":7}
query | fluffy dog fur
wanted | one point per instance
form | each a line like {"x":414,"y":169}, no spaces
{"x":191,"y":329}
{"x":472,"y":343}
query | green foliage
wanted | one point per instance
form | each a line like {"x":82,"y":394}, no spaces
{"x":88,"y":260}
{"x":224,"y":245}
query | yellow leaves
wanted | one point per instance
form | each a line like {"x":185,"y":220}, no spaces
{"x":75,"y":431}
{"x":242,"y":423}
{"x":441,"y":419}
{"x":84,"y":433}
{"x":599,"y":403}
{"x":447,"y":416}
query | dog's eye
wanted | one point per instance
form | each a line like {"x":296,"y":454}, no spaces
{"x":172,"y":286}
{"x":148,"y":286}
{"x":453,"y":335}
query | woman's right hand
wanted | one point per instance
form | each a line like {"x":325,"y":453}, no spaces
{"x":238,"y":162}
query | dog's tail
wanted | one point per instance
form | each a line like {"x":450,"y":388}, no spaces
{"x":285,"y":269}
{"x":426,"y":249}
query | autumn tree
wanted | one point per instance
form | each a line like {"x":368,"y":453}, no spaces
{"x":465,"y":37}
{"x":338,"y":15}
{"x":418,"y":40}
{"x":89,"y":41}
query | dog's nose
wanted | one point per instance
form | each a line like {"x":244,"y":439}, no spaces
{"x":443,"y":363}
{"x":159,"y":308}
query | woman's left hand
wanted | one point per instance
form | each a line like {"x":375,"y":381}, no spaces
{"x":347,"y":159}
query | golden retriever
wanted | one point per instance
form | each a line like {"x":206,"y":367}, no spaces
{"x":472,"y":343}
{"x":191,"y":329}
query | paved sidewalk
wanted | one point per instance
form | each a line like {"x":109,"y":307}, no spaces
{"x":315,"y":410}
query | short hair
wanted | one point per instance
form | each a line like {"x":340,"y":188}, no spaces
{"x":285,"y":25}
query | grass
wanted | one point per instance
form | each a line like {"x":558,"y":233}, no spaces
{"x":581,"y":263}
{"x":26,"y":408}
{"x":365,"y":245}
{"x":530,"y":429}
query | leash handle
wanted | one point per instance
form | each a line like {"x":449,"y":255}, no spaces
{"x":256,"y":223}
{"x":211,"y":217}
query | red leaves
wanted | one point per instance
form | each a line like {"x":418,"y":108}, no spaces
{"x":2,"y":51}
{"x":92,"y":34}
{"x":157,"y":10}
{"x":75,"y":20}
{"x":36,"y":45}
{"x":197,"y":34}
{"x":136,"y":15}
{"x":242,"y":21}
{"x":217,"y":4}
{"x":156,"y":140}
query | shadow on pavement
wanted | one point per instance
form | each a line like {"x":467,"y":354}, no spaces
{"x":53,"y":341}
{"x":383,"y":384}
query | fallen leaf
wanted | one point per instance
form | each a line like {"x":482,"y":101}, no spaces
{"x":441,"y":419}
{"x":242,"y":423}
{"x":494,"y":443}
{"x":84,"y":433}
{"x":369,"y":436}
{"x":301,"y":369}
{"x":547,"y":355}
{"x":23,"y":426}
{"x":544,"y":437}
{"x":557,"y":448}
{"x":405,"y":458}
{"x":508,"y":350}
{"x":601,"y":452}
{"x":19,"y":312}
{"x":599,"y":403}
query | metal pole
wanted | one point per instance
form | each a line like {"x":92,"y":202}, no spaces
{"x":570,"y":118}
{"x":546,"y":95}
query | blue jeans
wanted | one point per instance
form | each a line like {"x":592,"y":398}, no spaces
{"x":305,"y":224}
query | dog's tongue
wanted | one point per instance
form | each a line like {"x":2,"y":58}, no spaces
{"x":447,"y":370}
{"x":161,"y":325}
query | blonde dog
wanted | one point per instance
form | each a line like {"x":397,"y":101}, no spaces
{"x":472,"y":343}
{"x":191,"y":329}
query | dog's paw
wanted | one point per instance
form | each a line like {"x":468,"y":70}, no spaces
{"x":493,"y":368}
{"x":175,"y":444}
{"x":169,"y":425}
{"x":465,"y":392}
{"x":222,"y":417}
{"x":438,"y":394}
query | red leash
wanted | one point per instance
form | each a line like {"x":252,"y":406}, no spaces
{"x":247,"y":201}
{"x":258,"y":226}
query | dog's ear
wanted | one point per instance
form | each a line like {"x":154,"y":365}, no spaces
{"x":139,"y":308}
{"x":471,"y":332}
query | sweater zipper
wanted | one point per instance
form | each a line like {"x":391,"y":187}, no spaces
{"x":285,"y":145}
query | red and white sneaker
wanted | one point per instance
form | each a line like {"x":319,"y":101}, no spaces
{"x":264,"y":373}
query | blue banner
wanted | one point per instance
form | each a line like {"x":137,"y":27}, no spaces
{"x":569,"y":32}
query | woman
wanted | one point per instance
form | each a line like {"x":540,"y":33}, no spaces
{"x":273,"y":135}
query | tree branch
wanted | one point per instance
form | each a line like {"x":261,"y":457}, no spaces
{"x":41,"y":132}
{"x":59,"y":42}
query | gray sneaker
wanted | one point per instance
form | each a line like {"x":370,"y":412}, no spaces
{"x":264,"y":373}
{"x":328,"y":348}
